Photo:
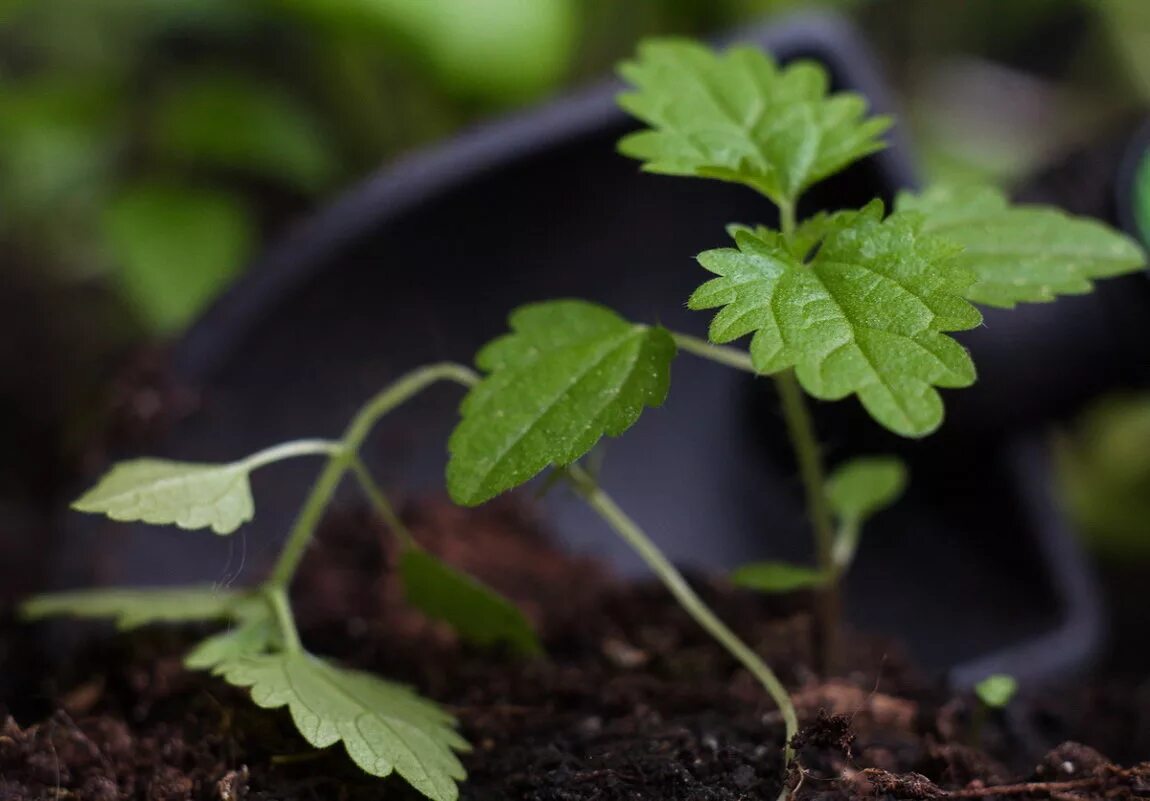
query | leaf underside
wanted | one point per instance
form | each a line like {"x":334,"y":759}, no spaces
{"x":570,"y":373}
{"x":384,"y":727}
{"x":1022,"y":253}
{"x":187,"y":494}
{"x":861,"y":487}
{"x":867,"y":314}
{"x":737,"y":116}
{"x":479,"y":614}
{"x":131,"y":608}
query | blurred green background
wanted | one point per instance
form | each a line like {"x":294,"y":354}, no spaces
{"x":150,"y":148}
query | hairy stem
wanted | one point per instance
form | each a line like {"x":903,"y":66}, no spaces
{"x":290,"y":450}
{"x":731,"y":357}
{"x":345,"y":457}
{"x":634,"y":536}
{"x":807,"y":453}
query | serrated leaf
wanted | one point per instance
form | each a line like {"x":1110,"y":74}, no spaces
{"x":568,"y":374}
{"x":190,"y":495}
{"x":996,"y":691}
{"x":866,"y":315}
{"x":131,"y":608}
{"x":777,"y":577}
{"x":1022,"y":253}
{"x":477,"y":612}
{"x":737,"y":116}
{"x":863,"y":486}
{"x":385,"y":727}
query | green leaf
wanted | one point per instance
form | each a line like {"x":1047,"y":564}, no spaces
{"x":737,"y":116}
{"x":996,"y":691}
{"x":255,"y":632}
{"x":477,"y":612}
{"x":221,"y":120}
{"x":176,"y":248}
{"x":568,"y":374}
{"x":187,"y":494}
{"x":1022,"y":253}
{"x":865,"y":315}
{"x":861,"y":487}
{"x":777,"y":577}
{"x":131,"y":608}
{"x":385,"y":727}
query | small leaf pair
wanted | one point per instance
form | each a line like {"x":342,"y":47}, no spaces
{"x":856,"y":491}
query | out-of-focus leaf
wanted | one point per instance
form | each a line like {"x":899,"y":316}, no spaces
{"x":477,"y":612}
{"x":221,"y":120}
{"x":1141,"y":198}
{"x":498,"y":51}
{"x":132,"y":608}
{"x":176,"y":249}
{"x":777,"y":577}
{"x":996,"y":691}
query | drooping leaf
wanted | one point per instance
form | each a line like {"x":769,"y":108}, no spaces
{"x":866,"y":315}
{"x":1022,"y":253}
{"x":176,"y":249}
{"x":255,"y":631}
{"x":737,"y":116}
{"x":863,"y":486}
{"x":996,"y":691}
{"x":478,"y":613}
{"x":777,"y":577}
{"x":568,"y":374}
{"x":131,"y":608}
{"x":385,"y":727}
{"x":188,"y":494}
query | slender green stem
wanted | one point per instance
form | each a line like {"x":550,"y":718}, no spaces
{"x":807,"y":453}
{"x":787,"y":218}
{"x":290,"y":450}
{"x":617,"y":519}
{"x":382,"y":505}
{"x":731,"y":357}
{"x":342,"y":460}
{"x":277,"y":598}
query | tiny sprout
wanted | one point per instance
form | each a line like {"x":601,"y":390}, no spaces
{"x":996,"y":691}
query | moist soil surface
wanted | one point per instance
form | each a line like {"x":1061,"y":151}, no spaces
{"x":632,"y":702}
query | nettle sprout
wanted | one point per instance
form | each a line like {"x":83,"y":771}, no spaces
{"x":852,"y":302}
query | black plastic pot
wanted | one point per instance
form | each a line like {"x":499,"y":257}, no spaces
{"x":974,"y":570}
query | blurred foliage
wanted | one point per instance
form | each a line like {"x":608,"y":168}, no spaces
{"x":1141,"y":200}
{"x":129,"y":127}
{"x":1104,"y":471}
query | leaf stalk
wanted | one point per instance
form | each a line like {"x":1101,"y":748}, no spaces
{"x":633,"y":535}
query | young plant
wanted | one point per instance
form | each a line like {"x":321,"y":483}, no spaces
{"x":850,"y":302}
{"x":858,"y":302}
{"x":994,"y":693}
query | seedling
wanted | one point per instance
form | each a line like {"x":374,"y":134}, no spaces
{"x":994,"y":693}
{"x":851,"y":302}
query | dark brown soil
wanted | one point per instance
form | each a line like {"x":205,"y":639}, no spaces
{"x":633,"y":701}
